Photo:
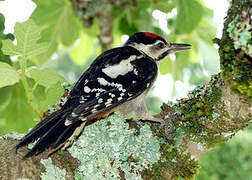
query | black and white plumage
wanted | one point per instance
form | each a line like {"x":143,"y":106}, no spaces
{"x":118,"y":80}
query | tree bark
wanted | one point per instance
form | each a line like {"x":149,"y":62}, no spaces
{"x":210,"y":115}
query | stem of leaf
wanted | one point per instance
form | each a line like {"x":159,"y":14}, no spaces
{"x":34,"y":87}
{"x":28,"y":90}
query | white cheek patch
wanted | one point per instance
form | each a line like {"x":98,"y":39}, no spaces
{"x":149,"y":50}
{"x":144,"y":48}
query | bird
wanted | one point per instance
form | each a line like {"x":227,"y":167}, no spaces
{"x":118,"y":80}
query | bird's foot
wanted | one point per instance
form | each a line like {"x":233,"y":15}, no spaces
{"x":168,"y":124}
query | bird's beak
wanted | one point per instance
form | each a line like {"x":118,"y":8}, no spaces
{"x":172,"y":48}
{"x":178,"y":47}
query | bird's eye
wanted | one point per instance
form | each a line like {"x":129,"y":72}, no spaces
{"x":161,"y":45}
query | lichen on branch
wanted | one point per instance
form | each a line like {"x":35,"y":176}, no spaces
{"x":236,"y":48}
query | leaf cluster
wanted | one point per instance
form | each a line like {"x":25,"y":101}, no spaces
{"x":25,"y":91}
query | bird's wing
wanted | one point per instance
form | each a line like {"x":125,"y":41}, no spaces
{"x":106,"y":84}
{"x":112,"y":84}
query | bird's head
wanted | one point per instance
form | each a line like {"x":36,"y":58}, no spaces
{"x":154,"y":45}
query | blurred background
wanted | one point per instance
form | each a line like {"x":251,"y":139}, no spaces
{"x":73,"y":45}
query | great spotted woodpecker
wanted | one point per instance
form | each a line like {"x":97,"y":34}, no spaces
{"x":118,"y":80}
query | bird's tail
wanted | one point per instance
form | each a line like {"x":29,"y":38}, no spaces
{"x":51,"y":132}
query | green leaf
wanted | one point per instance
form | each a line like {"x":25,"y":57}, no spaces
{"x":206,"y":31}
{"x":189,"y":15}
{"x":94,"y":30}
{"x":210,"y":57}
{"x":143,"y":4}
{"x":27,"y":35}
{"x":165,"y":66}
{"x":175,"y":67}
{"x":3,"y":57}
{"x":53,"y":94}
{"x":60,"y":22}
{"x":141,"y":19}
{"x":197,"y":76}
{"x":177,"y":70}
{"x":19,"y":113}
{"x":45,"y":77}
{"x":182,"y":59}
{"x":125,"y":27}
{"x":47,"y":96}
{"x":164,"y":5}
{"x":84,"y":49}
{"x":8,"y":74}
{"x":9,"y":48}
{"x":39,"y":95}
{"x":5,"y":96}
{"x":2,"y":20}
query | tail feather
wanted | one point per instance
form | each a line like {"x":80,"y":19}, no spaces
{"x":46,"y":139}
{"x":39,"y":129}
{"x":66,"y":134}
{"x":51,"y":132}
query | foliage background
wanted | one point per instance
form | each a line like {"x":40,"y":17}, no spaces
{"x":54,"y":46}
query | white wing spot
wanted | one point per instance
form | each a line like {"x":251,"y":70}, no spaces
{"x":94,"y":111}
{"x":68,"y":122}
{"x":112,"y":95}
{"x":98,"y":90}
{"x":107,"y":104}
{"x":122,"y":94}
{"x":135,"y":72}
{"x":97,"y":105}
{"x":121,"y":89}
{"x":120,"y":69}
{"x":130,"y":98}
{"x":120,"y":98}
{"x":100,"y":100}
{"x":87,"y":89}
{"x":74,"y":115}
{"x":103,"y":81}
{"x":82,"y":118}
